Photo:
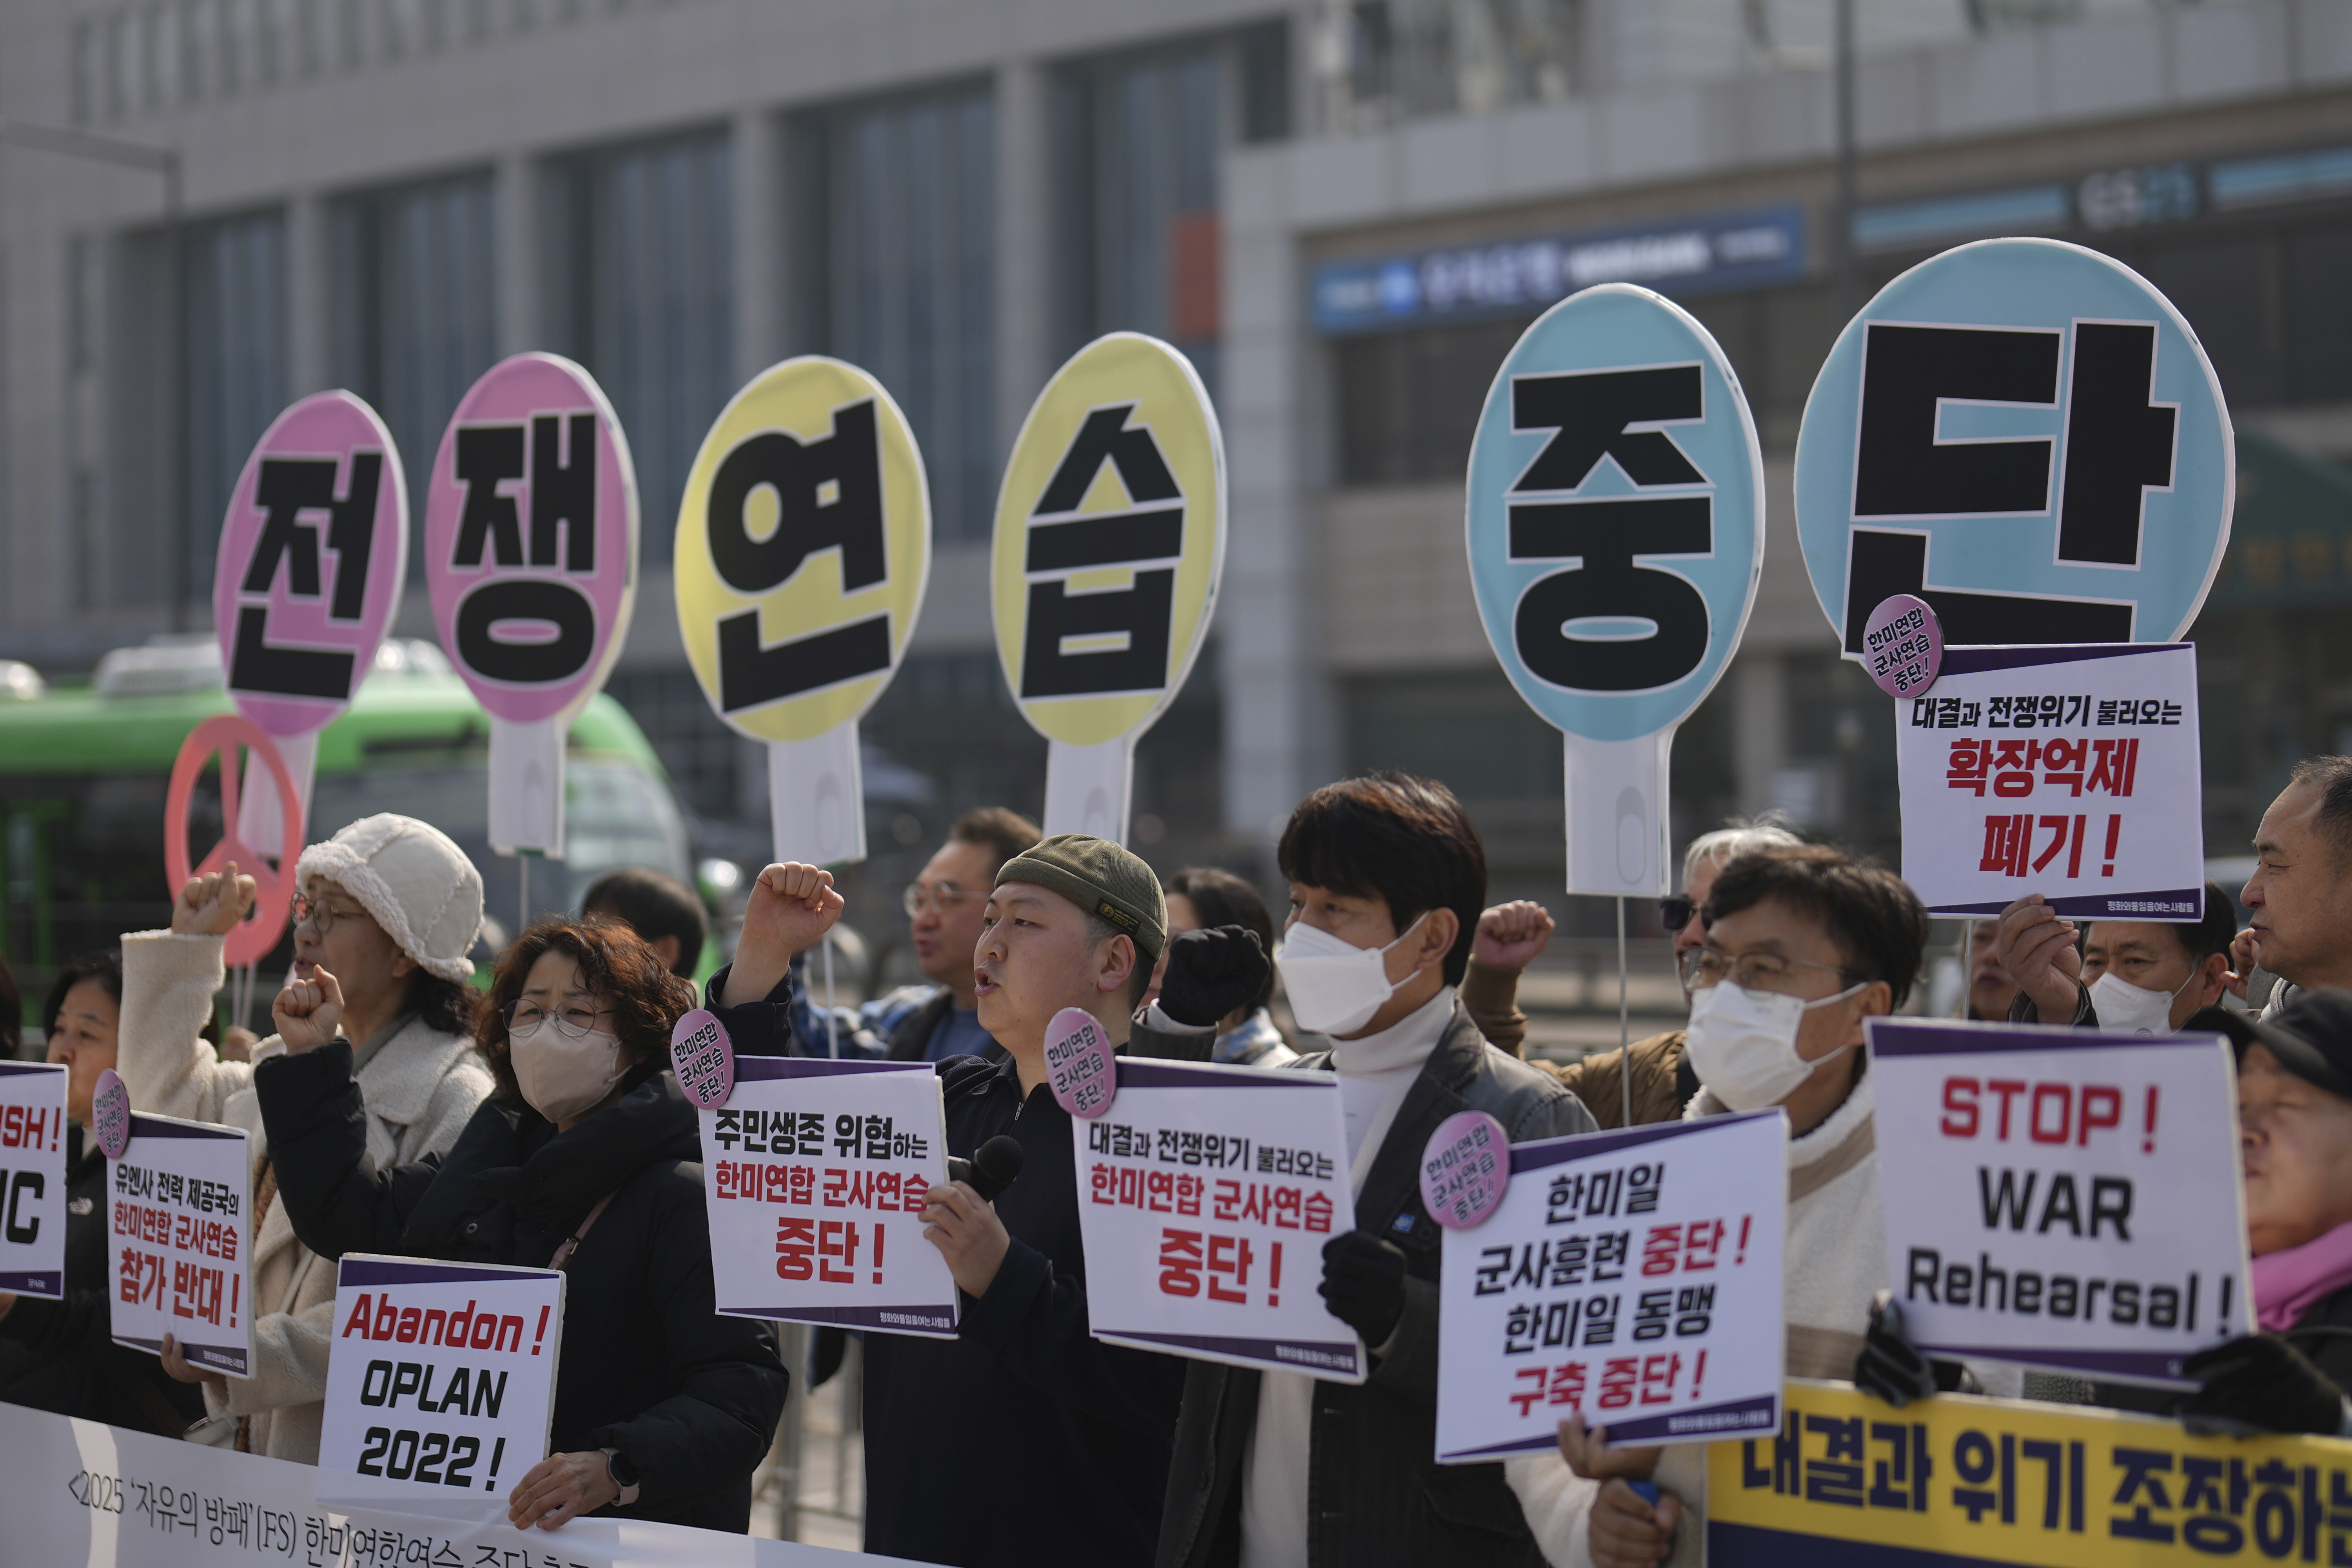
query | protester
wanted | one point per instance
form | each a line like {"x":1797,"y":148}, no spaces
{"x":1387,"y":877}
{"x":1802,"y":944}
{"x":1060,"y":1442}
{"x":1990,"y":991}
{"x":2299,"y":898}
{"x":662,"y":910}
{"x":944,"y":903}
{"x":2132,"y":977}
{"x":66,"y":1359}
{"x":389,"y":905}
{"x":1202,"y":898}
{"x":663,"y":1408}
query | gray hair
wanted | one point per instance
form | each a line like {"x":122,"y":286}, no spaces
{"x":1738,"y":835}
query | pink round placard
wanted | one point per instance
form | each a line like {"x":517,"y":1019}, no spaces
{"x":704,"y":1058}
{"x":109,"y":1114}
{"x":1079,"y":1064}
{"x":1464,"y":1169}
{"x":530,"y":538}
{"x":1903,"y":644}
{"x":313,"y":553}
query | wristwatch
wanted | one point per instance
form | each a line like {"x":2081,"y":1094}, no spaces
{"x":624,"y":1476}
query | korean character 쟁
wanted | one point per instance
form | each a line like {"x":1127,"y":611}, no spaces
{"x":1620,"y":1375}
{"x":1654,"y":1312}
{"x":796,"y":1247}
{"x":1180,"y":1262}
{"x":1230,"y":1256}
{"x":1642,"y":1185}
{"x":1836,"y":1478}
{"x":1969,"y":766}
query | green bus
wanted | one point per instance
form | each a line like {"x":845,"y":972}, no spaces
{"x":85,"y":767}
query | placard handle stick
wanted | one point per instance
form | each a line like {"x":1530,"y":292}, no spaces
{"x":522,"y":894}
{"x":1625,"y":1023}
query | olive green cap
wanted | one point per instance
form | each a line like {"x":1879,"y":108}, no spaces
{"x":1101,"y":878}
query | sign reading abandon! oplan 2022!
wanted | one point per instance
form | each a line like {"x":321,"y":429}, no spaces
{"x":1110,"y":539}
{"x":803,"y":549}
{"x":1615,"y":532}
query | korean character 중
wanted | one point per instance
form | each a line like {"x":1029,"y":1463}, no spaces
{"x":2218,"y":1486}
{"x":2014,"y":762}
{"x":2061,"y":764}
{"x":1494,"y":1262}
{"x":1642,"y":1185}
{"x":1694,"y":1309}
{"x":1230,"y":1256}
{"x":1900,"y":1479}
{"x":1976,"y":1461}
{"x":836,"y":1243}
{"x":1180,"y":1262}
{"x":1969,"y":765}
{"x":1654,"y":1313}
{"x":1619,"y":1377}
{"x":796,"y":1247}
{"x":1661,"y":1248}
{"x":1836,"y":1477}
{"x":1659,"y":1374}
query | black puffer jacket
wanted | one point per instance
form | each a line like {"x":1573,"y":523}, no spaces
{"x":64,"y":1355}
{"x":648,"y":1367}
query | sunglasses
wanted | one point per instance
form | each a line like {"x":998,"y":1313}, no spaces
{"x":1676,"y":912}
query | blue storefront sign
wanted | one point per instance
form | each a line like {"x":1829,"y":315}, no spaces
{"x":1698,"y":255}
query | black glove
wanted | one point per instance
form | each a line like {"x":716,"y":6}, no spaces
{"x":2260,"y":1384}
{"x":1892,"y":1368}
{"x":1212,"y":972}
{"x":1363,"y":1283}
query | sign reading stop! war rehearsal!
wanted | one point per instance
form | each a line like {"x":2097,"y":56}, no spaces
{"x":1633,"y":1277}
{"x":33,"y":1180}
{"x":803,"y":549}
{"x":816,"y":1172}
{"x":2061,"y":1198}
{"x":2067,"y":772}
{"x":1205,"y":1196}
{"x":530,"y":553}
{"x":441,"y":1385}
{"x":1110,"y":541}
{"x":180,"y":1238}
{"x":1616,"y":535}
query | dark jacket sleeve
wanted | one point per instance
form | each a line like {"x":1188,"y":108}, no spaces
{"x":335,"y":1198}
{"x":2023,"y":1009}
{"x":762,"y":1028}
{"x":731,"y":1386}
{"x":1033,"y":1319}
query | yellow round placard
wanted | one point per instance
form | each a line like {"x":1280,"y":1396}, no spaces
{"x":803,"y":543}
{"x":1110,"y":536}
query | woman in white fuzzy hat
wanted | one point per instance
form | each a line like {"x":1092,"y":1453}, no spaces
{"x":390,"y":907}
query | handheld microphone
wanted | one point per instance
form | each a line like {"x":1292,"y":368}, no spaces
{"x":991,"y":1168}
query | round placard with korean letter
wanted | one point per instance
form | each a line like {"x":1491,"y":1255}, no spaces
{"x":2027,"y":437}
{"x":1616,"y":532}
{"x":1079,"y":1064}
{"x":313,"y":552}
{"x":1465,"y":1168}
{"x":110,"y":1113}
{"x":703,"y":1057}
{"x":804,"y":546}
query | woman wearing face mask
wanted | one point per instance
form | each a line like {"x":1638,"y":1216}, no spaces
{"x":2126,"y":977}
{"x":586,"y":1158}
{"x":66,"y":1359}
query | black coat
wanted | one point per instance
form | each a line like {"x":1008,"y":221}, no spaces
{"x":649,"y":1367}
{"x":61,"y":1354}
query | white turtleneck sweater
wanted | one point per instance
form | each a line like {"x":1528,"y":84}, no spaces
{"x":1275,"y":1465}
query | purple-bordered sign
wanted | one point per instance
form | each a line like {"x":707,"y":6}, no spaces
{"x":180,"y":1241}
{"x":33,"y":1178}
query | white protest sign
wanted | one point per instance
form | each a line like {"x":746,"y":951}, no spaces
{"x":816,"y":1171}
{"x":1616,"y":535}
{"x":441,"y":1385}
{"x":803,"y":549}
{"x":2061,"y":1198}
{"x":180,"y":1241}
{"x":2069,"y":771}
{"x":1633,"y":1276}
{"x":33,"y":1180}
{"x":1206,"y":1195}
{"x":1109,"y":545}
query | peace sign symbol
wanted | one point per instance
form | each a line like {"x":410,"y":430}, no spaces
{"x":253,"y":936}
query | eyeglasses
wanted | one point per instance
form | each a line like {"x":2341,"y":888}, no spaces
{"x":944,"y":897}
{"x":1706,"y":966}
{"x":323,"y":915}
{"x":1674,"y":913}
{"x":523,"y":1019}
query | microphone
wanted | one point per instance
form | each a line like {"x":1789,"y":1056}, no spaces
{"x":991,"y":1168}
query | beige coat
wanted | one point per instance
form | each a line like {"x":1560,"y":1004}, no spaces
{"x":421,"y":1090}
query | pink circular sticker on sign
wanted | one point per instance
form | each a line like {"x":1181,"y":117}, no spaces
{"x":313,"y":553}
{"x":1903,"y":646}
{"x":109,"y":1114}
{"x":1079,"y":1064}
{"x":1464,"y":1169}
{"x":704,"y":1058}
{"x":530,"y":538}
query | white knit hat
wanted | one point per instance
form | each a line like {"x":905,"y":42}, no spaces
{"x":417,"y":883}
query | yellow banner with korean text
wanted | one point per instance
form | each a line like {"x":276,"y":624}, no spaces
{"x":1851,"y":1479}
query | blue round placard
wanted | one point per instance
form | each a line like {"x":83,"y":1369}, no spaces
{"x":1615,"y":514}
{"x":2026,"y":435}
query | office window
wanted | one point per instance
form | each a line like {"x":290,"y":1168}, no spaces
{"x":896,"y":273}
{"x":236,"y":366}
{"x":414,"y":303}
{"x":640,"y":257}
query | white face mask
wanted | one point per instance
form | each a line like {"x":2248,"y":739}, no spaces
{"x":563,"y":1076}
{"x":1334,"y":987}
{"x":2125,"y":1008}
{"x":1743,"y":1044}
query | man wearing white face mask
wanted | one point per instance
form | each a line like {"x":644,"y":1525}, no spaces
{"x":2130,"y":977}
{"x":1275,"y":1470}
